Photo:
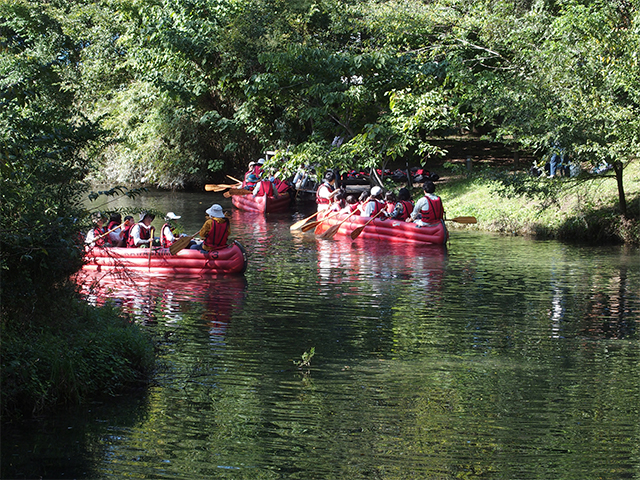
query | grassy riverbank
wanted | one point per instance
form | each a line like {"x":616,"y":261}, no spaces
{"x":582,"y":210}
{"x":81,"y":352}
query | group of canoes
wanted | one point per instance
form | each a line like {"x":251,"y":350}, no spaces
{"x":369,"y":216}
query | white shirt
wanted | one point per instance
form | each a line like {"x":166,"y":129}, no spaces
{"x":135,"y":234}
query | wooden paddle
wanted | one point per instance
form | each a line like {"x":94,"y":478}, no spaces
{"x":153,"y":231}
{"x":310,"y":225}
{"x":217,"y":187}
{"x":109,"y":231}
{"x":333,"y":230}
{"x":181,"y":243}
{"x":462,"y":219}
{"x":300,"y":223}
{"x":236,"y":191}
{"x":356,"y":233}
{"x":234,"y":179}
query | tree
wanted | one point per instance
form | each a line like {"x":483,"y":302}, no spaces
{"x":42,"y":138}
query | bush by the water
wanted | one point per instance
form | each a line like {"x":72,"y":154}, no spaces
{"x":82,"y":351}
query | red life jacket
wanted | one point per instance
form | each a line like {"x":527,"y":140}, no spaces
{"x":435,"y":212}
{"x":378,"y":206}
{"x":126,"y":235}
{"x":97,"y":231}
{"x":320,"y":199}
{"x":281,"y":186}
{"x":407,"y":208}
{"x":145,"y":234}
{"x":390,"y":207}
{"x":218,"y":235}
{"x":257,"y":170}
{"x":164,"y":241}
{"x":265,"y":189}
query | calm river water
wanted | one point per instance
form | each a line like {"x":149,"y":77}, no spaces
{"x":496,"y":358}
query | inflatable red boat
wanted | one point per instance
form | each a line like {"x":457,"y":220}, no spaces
{"x":386,"y":230}
{"x":230,"y":259}
{"x":261,"y":204}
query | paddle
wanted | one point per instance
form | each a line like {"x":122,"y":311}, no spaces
{"x":300,"y":223}
{"x":462,"y":219}
{"x":333,"y":230}
{"x":236,"y":191}
{"x":310,"y":225}
{"x":181,"y":243}
{"x":356,"y":233}
{"x":234,"y":179}
{"x":213,"y":187}
{"x":153,"y":231}
{"x":109,"y":231}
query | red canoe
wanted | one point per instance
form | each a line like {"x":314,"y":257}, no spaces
{"x":388,"y":230}
{"x":230,"y":259}
{"x":261,"y":204}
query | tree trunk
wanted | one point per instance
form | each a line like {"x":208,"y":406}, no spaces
{"x":618,"y":168}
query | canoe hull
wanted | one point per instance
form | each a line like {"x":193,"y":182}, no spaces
{"x":388,"y":230}
{"x":262,"y":204}
{"x":227,"y":260}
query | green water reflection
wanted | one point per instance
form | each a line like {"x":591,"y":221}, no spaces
{"x":495,"y":358}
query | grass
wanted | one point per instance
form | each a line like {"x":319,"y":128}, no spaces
{"x":81,"y":351}
{"x":570,"y":209}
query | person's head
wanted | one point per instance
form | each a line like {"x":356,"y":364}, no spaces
{"x":251,"y":165}
{"x":171,"y":216}
{"x":97,"y":218}
{"x":115,"y":218}
{"x":390,"y":197}
{"x":429,"y":187}
{"x":404,"y":195}
{"x":261,"y":161}
{"x":147,"y":218}
{"x":128,"y":220}
{"x":215,"y":211}
{"x":329,"y":176}
{"x":352,"y":199}
{"x":376,"y":192}
{"x":364,"y":195}
{"x":251,"y":178}
{"x":340,"y":196}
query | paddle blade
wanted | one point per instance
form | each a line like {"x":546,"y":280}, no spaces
{"x":179,"y":244}
{"x":210,"y":187}
{"x":463,"y":219}
{"x":356,"y":233}
{"x":238,"y":191}
{"x":330,"y":233}
{"x":298,"y":225}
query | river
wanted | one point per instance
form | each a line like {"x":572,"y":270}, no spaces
{"x":494,"y":358}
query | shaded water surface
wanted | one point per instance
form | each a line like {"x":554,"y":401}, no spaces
{"x":493,"y":358}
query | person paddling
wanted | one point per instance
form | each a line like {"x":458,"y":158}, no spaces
{"x":429,"y":208}
{"x":167,"y":237}
{"x":215,"y":230}
{"x":140,"y":235}
{"x":326,"y":191}
{"x":403,"y":207}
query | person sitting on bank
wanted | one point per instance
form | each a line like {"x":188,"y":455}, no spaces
{"x":403,"y":207}
{"x":141,"y":232}
{"x":374,"y":203}
{"x":326,"y":191}
{"x":95,"y":236}
{"x":215,"y":230}
{"x":167,"y":236}
{"x":429,"y":208}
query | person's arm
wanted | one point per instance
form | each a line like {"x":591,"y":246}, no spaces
{"x":206,"y":228}
{"x":168,"y":234}
{"x":416,"y":209}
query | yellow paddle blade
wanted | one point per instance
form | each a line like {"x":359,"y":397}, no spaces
{"x":179,"y":244}
{"x":463,"y":220}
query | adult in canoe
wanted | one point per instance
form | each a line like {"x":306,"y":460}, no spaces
{"x":429,"y":208}
{"x":326,"y":191}
{"x":141,"y":232}
{"x":403,"y":207}
{"x":215,"y":230}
